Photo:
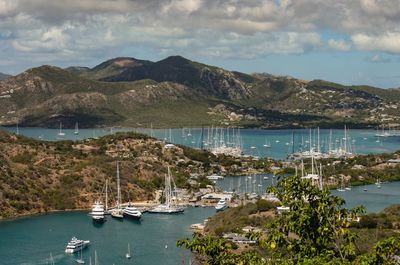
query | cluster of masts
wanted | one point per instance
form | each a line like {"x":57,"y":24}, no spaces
{"x":99,"y":212}
{"x":338,"y":148}
{"x":386,"y":133}
{"x":225,"y":141}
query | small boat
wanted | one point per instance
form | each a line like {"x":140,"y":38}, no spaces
{"x":221,"y":205}
{"x":281,"y":209}
{"x":128,"y":254}
{"x":131,"y":211}
{"x":117,"y":213}
{"x":76,"y":245}
{"x":378,"y":183}
{"x":51,"y":259}
{"x":76,"y":132}
{"x":97,"y":212}
{"x":365,"y":189}
{"x":80,"y":260}
{"x":61,"y":133}
{"x":215,"y":177}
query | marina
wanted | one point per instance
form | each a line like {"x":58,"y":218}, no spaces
{"x":277,"y":144}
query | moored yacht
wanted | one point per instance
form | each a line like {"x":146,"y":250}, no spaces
{"x":76,"y":244}
{"x":221,"y":205}
{"x":97,"y":212}
{"x":169,"y":207}
{"x":131,"y":211}
{"x":118,"y":212}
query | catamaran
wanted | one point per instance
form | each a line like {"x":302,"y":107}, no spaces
{"x":169,"y":207}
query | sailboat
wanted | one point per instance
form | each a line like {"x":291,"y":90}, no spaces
{"x":267,"y":145}
{"x":118,"y":212}
{"x":61,"y":133}
{"x":51,"y":259}
{"x":341,"y":186}
{"x":80,"y":260}
{"x":128,"y":254}
{"x":169,"y":206}
{"x":378,"y":183}
{"x":76,"y":132}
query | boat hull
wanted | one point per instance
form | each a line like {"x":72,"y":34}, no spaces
{"x":132,"y":216}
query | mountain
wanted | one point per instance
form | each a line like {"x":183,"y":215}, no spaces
{"x":4,"y":76}
{"x":179,"y":92}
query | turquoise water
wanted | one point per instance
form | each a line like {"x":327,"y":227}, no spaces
{"x":253,"y":140}
{"x":30,"y":240}
{"x":374,"y":199}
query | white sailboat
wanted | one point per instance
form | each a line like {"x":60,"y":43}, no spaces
{"x":341,"y":186}
{"x":80,"y":260}
{"x":61,"y":133}
{"x":169,"y":207}
{"x":118,"y":212}
{"x":51,"y":259}
{"x":76,"y":132}
{"x":128,"y":254}
{"x":378,"y":183}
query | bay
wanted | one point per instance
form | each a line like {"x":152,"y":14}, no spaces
{"x":374,"y":199}
{"x":31,"y":240}
{"x":252,"y":140}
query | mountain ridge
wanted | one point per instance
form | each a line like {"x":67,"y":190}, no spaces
{"x":176,"y":92}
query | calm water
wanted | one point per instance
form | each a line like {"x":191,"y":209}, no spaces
{"x":30,"y":240}
{"x":253,"y":140}
{"x":374,"y":199}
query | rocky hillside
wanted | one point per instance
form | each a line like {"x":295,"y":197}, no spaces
{"x":178,"y":92}
{"x":4,"y":76}
{"x":44,"y":176}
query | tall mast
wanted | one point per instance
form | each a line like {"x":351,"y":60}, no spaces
{"x":318,"y":147}
{"x":106,"y":194}
{"x":345,"y":139}
{"x":118,"y":188}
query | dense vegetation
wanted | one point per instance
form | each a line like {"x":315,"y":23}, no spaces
{"x":38,"y":176}
{"x":316,"y":230}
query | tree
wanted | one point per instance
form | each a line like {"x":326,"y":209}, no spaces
{"x":315,"y":230}
{"x":317,"y":223}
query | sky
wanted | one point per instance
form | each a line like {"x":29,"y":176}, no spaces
{"x":344,"y":41}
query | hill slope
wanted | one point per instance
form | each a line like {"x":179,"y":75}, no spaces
{"x":44,"y":176}
{"x":4,"y":76}
{"x":179,"y":92}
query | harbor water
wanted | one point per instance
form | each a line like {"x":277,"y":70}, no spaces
{"x":280,"y":143}
{"x":374,"y":199}
{"x":29,"y":241}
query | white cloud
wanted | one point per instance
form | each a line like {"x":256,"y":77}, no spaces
{"x":387,"y":42}
{"x":340,"y":45}
{"x":229,"y":28}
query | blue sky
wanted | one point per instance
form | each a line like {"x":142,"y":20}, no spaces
{"x":345,"y":41}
